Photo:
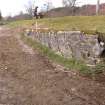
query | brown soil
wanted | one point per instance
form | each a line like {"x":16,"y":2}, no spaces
{"x":28,"y":78}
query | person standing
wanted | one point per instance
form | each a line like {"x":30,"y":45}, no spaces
{"x":36,"y":12}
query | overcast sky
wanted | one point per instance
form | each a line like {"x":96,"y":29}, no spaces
{"x":12,"y":7}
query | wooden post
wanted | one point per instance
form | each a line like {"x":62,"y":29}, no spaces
{"x":36,"y":26}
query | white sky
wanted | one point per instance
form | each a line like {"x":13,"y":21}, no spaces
{"x":12,"y":7}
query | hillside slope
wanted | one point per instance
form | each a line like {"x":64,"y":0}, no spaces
{"x":65,"y":23}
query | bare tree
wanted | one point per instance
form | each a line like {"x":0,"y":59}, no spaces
{"x":0,"y":15}
{"x":29,"y":8}
{"x":48,"y":5}
{"x":69,"y":3}
{"x":97,"y":7}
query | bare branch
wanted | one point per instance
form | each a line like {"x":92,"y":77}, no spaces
{"x":69,"y":3}
{"x":29,"y":9}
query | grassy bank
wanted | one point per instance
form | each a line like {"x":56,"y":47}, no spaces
{"x":67,"y":23}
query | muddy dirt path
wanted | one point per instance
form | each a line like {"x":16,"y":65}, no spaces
{"x":28,"y":78}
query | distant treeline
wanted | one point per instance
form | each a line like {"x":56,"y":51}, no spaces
{"x":86,"y":10}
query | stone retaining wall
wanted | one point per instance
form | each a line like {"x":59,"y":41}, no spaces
{"x":70,"y":44}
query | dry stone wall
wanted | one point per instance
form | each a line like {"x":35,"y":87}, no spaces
{"x":70,"y":44}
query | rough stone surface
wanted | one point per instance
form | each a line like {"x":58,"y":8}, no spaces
{"x":71,"y":44}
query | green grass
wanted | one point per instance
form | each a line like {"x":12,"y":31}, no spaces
{"x":67,"y":23}
{"x":20,"y":23}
